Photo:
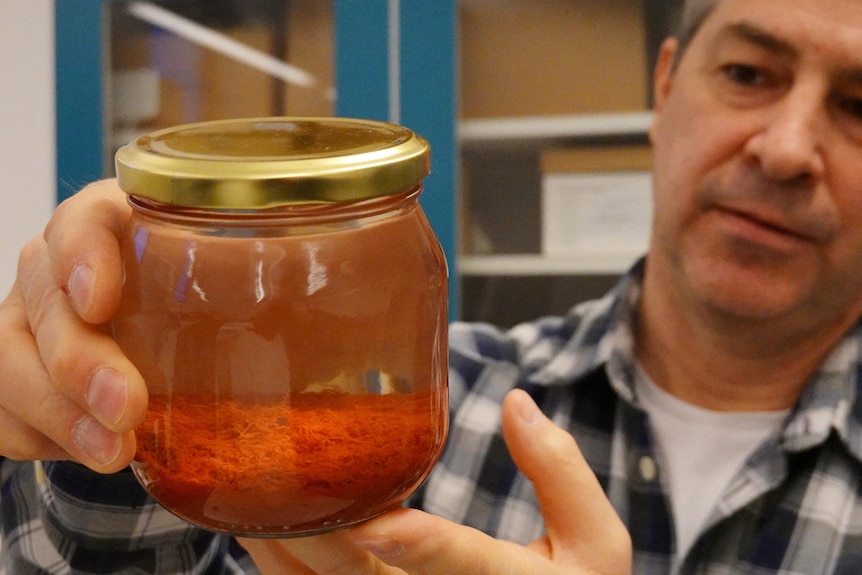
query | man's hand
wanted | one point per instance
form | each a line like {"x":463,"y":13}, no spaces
{"x":584,"y":534}
{"x":68,"y":392}
{"x":66,"y":389}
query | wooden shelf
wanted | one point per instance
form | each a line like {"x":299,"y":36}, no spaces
{"x":536,"y":265}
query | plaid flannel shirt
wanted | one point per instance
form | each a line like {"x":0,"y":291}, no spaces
{"x":795,"y":508}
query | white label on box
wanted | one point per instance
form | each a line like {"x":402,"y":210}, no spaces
{"x":596,"y":213}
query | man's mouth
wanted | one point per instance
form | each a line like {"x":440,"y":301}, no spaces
{"x":764,"y":230}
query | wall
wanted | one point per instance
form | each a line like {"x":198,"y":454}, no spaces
{"x":27,"y":154}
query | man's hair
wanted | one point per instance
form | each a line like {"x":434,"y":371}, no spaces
{"x":693,"y":13}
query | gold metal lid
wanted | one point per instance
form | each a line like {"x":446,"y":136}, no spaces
{"x":259,"y":163}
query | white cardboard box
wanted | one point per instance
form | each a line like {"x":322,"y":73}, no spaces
{"x":596,"y":213}
{"x":596,"y":200}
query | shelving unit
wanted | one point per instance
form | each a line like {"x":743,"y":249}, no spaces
{"x":537,"y":131}
{"x":512,"y":265}
{"x":512,"y":146}
{"x":529,"y":135}
{"x":538,"y":77}
{"x":511,"y":286}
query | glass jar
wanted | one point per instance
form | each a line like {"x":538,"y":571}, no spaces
{"x":285,"y":301}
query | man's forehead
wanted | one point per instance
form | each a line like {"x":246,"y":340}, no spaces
{"x":832,"y":28}
{"x":753,"y":34}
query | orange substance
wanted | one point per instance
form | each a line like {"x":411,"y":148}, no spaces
{"x":287,"y":465}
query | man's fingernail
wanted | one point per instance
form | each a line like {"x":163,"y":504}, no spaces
{"x":96,"y":441}
{"x":107,"y":393}
{"x":528,"y":409}
{"x":80,"y":287}
{"x":385,"y":548}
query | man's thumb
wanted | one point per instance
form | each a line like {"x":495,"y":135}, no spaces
{"x":583,"y":528}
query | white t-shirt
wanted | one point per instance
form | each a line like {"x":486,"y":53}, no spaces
{"x":700,"y":451}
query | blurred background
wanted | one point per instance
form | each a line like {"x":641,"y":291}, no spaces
{"x":537,"y":114}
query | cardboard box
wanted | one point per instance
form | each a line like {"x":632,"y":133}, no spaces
{"x":596,"y":201}
{"x":547,"y":57}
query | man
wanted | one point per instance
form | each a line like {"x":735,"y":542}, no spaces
{"x":713,"y":393}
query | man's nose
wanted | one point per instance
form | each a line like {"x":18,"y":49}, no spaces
{"x":788,"y":141}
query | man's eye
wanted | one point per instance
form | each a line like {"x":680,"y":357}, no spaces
{"x":852,"y":106}
{"x":744,"y":75}
{"x":848,"y":115}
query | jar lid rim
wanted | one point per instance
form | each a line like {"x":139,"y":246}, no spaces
{"x":264,"y":162}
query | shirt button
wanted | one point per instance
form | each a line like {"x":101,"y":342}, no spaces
{"x":647,"y":468}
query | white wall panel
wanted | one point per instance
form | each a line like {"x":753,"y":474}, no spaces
{"x":27,"y":156}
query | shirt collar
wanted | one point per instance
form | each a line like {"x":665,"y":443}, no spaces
{"x":602,"y":334}
{"x":830,"y":401}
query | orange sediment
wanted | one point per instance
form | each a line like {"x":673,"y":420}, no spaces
{"x":299,"y":459}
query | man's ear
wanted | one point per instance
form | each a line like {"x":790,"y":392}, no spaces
{"x":662,"y":79}
{"x":663,"y":73}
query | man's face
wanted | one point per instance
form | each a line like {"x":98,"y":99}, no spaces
{"x":758,"y":161}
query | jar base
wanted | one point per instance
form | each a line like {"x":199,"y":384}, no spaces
{"x":260,"y":516}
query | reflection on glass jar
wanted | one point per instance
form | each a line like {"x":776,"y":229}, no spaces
{"x":285,"y":300}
